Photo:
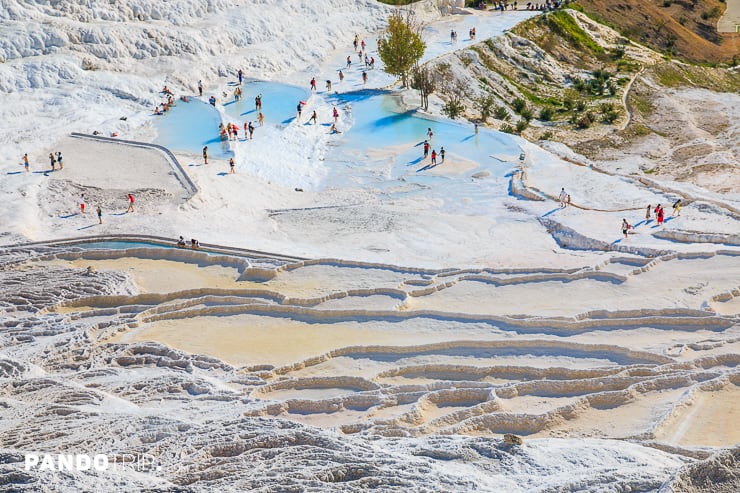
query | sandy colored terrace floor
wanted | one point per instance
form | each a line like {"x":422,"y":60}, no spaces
{"x":363,"y":346}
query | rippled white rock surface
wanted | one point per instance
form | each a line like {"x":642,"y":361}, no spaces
{"x":428,"y":315}
{"x":242,"y":385}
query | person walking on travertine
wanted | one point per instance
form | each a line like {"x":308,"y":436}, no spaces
{"x":563,"y":198}
{"x":677,"y":208}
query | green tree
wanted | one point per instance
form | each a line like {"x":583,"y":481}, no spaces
{"x":424,"y":81}
{"x":401,"y":46}
{"x":485,"y":105}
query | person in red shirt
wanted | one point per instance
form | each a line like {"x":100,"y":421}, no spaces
{"x":130,"y":203}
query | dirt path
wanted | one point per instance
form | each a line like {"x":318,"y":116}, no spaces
{"x":626,"y":95}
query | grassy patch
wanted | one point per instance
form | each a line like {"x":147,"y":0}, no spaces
{"x":639,"y":130}
{"x":642,"y":104}
{"x":566,"y":27}
{"x":670,"y":75}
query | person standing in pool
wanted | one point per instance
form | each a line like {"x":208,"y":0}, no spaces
{"x":25,"y":162}
{"x":205,"y":155}
{"x":434,"y":157}
{"x":130,"y":203}
{"x":100,"y":214}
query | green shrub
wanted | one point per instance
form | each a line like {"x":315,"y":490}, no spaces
{"x":526,"y":114}
{"x":610,"y":116}
{"x":501,"y":113}
{"x":546,"y":114}
{"x":606,"y":108}
{"x":580,"y":105}
{"x":518,"y":104}
{"x":521,"y":126}
{"x":507,"y":129}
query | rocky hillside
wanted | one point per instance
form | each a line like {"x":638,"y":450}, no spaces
{"x":564,"y":77}
{"x":685,"y":29}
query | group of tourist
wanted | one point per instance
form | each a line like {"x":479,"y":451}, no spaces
{"x":194,"y":244}
{"x":426,"y":146}
{"x":659,"y":216}
{"x":99,"y":210}
{"x":55,"y":159}
{"x":505,"y":5}
{"x":167,"y":104}
{"x":230,"y":131}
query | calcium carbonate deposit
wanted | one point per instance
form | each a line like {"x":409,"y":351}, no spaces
{"x":353,"y":319}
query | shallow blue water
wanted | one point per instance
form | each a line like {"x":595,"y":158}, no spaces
{"x":188,"y":127}
{"x":380,"y":122}
{"x":120,"y":245}
{"x":125,"y":245}
{"x":279,"y":102}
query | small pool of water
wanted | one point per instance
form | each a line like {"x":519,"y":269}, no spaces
{"x":127,"y":245}
{"x":188,"y":127}
{"x":120,"y":245}
{"x":380,"y":122}
{"x":278,"y":102}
